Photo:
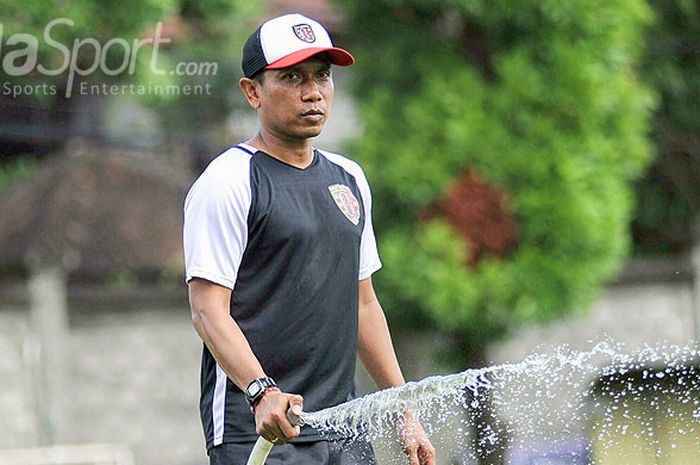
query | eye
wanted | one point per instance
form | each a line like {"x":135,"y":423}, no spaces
{"x":291,"y":76}
{"x":325,"y":74}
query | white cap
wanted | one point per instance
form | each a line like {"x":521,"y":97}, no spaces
{"x":286,"y":40}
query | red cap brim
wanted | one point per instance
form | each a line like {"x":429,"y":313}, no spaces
{"x":337,"y":55}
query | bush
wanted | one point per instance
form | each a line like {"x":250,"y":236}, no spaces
{"x":537,"y":99}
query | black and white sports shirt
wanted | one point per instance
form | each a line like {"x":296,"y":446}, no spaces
{"x":292,"y":244}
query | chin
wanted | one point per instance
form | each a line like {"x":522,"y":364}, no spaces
{"x":310,"y":133}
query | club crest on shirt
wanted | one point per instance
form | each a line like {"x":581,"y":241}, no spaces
{"x":304,"y":32}
{"x":346,"y":202}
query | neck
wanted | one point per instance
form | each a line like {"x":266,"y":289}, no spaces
{"x":297,"y":153}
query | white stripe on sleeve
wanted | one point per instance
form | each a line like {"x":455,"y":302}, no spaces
{"x":215,"y":231}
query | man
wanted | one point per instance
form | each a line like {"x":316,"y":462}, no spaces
{"x":279,"y":253}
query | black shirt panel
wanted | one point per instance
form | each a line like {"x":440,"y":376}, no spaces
{"x":296,"y":293}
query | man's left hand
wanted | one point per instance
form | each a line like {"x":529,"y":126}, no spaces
{"x":415,"y":442}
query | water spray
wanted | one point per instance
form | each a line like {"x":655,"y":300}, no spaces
{"x":551,"y":398}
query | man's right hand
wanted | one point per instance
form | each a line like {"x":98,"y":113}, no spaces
{"x":271,"y":420}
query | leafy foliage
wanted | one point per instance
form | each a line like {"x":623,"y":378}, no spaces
{"x":539,"y":98}
{"x":669,"y":195}
{"x":16,"y":170}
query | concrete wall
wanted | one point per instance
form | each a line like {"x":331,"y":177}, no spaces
{"x":133,"y":378}
{"x":18,"y":426}
{"x":136,"y":380}
{"x":633,"y":314}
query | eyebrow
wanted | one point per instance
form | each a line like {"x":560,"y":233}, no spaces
{"x":323,"y":65}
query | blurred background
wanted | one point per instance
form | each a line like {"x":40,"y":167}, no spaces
{"x":535,"y":166}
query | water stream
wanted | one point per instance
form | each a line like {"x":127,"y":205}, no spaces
{"x":605,"y":406}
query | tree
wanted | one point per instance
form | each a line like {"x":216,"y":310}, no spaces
{"x":502,"y":140}
{"x":669,"y":195}
{"x":540,"y":104}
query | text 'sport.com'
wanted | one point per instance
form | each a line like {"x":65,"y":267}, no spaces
{"x":23,"y":59}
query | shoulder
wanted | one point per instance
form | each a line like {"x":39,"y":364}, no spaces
{"x":355,"y":170}
{"x":231,"y":164}
{"x":345,"y":163}
{"x":227,"y":173}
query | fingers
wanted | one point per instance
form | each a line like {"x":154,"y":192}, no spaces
{"x":426,"y":454}
{"x":412,"y":453}
{"x":415,"y":442}
{"x":267,"y":423}
{"x":294,"y":412}
{"x":422,"y":453}
{"x":271,"y":417}
{"x":297,"y":404}
{"x":288,"y":430}
{"x":270,"y":427}
{"x":273,"y":434}
{"x":410,"y":444}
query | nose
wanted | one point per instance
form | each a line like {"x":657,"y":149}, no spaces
{"x":310,"y":91}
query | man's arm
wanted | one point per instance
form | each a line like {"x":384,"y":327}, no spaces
{"x":209,"y":304}
{"x":376,"y":352}
{"x":375,"y":348}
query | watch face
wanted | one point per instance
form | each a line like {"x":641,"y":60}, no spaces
{"x":254,"y":390}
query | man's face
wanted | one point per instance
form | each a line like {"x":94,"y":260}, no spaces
{"x":295,"y":102}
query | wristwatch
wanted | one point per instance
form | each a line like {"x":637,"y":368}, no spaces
{"x":256,"y":389}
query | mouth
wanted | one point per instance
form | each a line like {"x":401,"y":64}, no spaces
{"x":313,"y":115}
{"x":313,"y":112}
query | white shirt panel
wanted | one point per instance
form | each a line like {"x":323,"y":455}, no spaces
{"x":369,"y":255}
{"x":215,"y":230}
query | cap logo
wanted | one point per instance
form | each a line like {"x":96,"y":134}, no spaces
{"x":305,"y":33}
{"x":346,"y":202}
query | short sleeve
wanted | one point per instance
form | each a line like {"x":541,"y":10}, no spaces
{"x":369,"y":255}
{"x":215,"y":231}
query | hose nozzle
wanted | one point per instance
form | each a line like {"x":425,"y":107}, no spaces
{"x":294,"y":419}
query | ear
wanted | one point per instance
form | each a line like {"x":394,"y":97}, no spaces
{"x":251,"y":91}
